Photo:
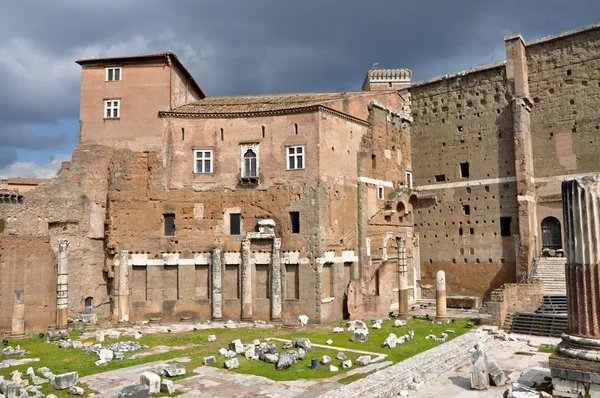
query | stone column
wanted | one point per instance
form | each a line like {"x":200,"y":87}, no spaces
{"x":403,"y":279}
{"x":124,"y":287}
{"x":581,"y":213}
{"x":276,"y":281}
{"x":246,"y":281}
{"x":216,"y":298}
{"x":18,"y":315}
{"x":440,"y":297}
{"x":62,"y":289}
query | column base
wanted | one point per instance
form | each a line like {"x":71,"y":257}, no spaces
{"x":278,"y":320}
{"x":123,"y":323}
{"x":444,"y":319}
{"x":17,"y":336}
{"x":246,"y":319}
{"x":582,"y":348}
{"x":574,"y":377}
{"x":216,"y":319}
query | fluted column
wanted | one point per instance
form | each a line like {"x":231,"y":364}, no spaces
{"x":276,"y":280}
{"x":246,"y":281}
{"x":581,"y":212}
{"x":18,"y":315}
{"x":403,"y":279}
{"x":62,"y":288}
{"x":124,"y":287}
{"x":440,"y":297}
{"x":216,"y":297}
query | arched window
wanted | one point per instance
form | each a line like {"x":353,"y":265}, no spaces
{"x":401,"y":209}
{"x":551,"y":234}
{"x":250,"y":169}
{"x":89,"y":305}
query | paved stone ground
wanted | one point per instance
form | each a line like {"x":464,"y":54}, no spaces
{"x":520,"y":360}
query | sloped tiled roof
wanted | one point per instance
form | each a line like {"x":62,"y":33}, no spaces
{"x":265,"y":102}
{"x":26,"y":181}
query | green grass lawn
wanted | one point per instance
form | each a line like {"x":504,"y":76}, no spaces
{"x":197,"y":347}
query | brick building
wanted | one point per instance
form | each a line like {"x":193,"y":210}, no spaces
{"x":177,"y":204}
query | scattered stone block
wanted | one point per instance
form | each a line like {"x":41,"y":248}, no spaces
{"x":65,"y":344}
{"x":236,"y":346}
{"x":232,"y":363}
{"x":138,"y":335}
{"x":270,"y":348}
{"x":38,"y":381}
{"x":347,"y":364}
{"x":497,"y":377}
{"x":75,"y":390}
{"x":113,"y":334}
{"x":326,"y":359}
{"x":55,"y":335}
{"x":360,"y":335}
{"x":100,"y":336}
{"x":65,"y":380}
{"x":16,"y":376}
{"x":376,"y":326}
{"x":8,"y":388}
{"x":398,"y":323}
{"x":301,"y":353}
{"x":379,"y":358}
{"x":166,"y":386}
{"x":222,"y":351}
{"x":43,"y":370}
{"x":77,"y":344}
{"x":330,"y":342}
{"x":303,"y":319}
{"x":256,"y":342}
{"x":270,"y":358}
{"x":212,"y":337}
{"x":135,"y":391}
{"x":249,"y":352}
{"x":106,"y":355}
{"x":333,"y":368}
{"x":209,"y":360}
{"x":391,"y":341}
{"x":338,"y":330}
{"x":286,"y":360}
{"x":363,"y":360}
{"x":51,"y":396}
{"x":411,"y":333}
{"x":152,"y":380}
{"x":303,"y":343}
{"x":354,"y":325}
{"x":30,"y":371}
{"x":119,"y":355}
{"x":479,"y":371}
{"x":100,"y":362}
{"x":341,"y":356}
{"x":230,"y":354}
{"x":174,"y":370}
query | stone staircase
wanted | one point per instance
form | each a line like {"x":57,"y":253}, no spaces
{"x":551,"y":270}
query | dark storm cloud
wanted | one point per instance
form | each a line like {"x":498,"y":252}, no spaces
{"x":7,"y":157}
{"x":21,"y":139}
{"x":254,"y":46}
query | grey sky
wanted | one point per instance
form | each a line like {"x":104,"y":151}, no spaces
{"x":241,"y":46}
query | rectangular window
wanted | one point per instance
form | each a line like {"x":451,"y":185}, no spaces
{"x":464,"y":170}
{"x":235,"y":223}
{"x":111,"y":109}
{"x":466,"y":210}
{"x":295,"y":157}
{"x":113,"y":74}
{"x":505,"y":226}
{"x":295,"y":222}
{"x":409,"y":180}
{"x":380,"y":192}
{"x":203,"y":161}
{"x":249,"y":161}
{"x":169,"y":224}
{"x":440,"y":178}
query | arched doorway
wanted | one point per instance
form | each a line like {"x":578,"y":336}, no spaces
{"x":551,"y":234}
{"x":89,"y":305}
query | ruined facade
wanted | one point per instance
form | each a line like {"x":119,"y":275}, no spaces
{"x":178,"y":204}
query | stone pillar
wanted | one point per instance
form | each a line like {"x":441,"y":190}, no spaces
{"x":124,"y":287}
{"x":62,"y":289}
{"x":18,"y":315}
{"x":581,"y":213}
{"x":276,"y":281}
{"x":440,"y":297}
{"x":246,"y":281}
{"x":403,"y":279}
{"x":216,"y":298}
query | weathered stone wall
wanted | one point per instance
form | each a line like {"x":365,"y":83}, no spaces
{"x":465,"y":118}
{"x":512,"y":298}
{"x":72,"y":206}
{"x":28,"y":263}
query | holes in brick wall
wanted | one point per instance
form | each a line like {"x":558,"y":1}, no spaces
{"x":486,"y":188}
{"x":222,"y":134}
{"x":466,"y":210}
{"x":584,"y":83}
{"x":536,"y":100}
{"x":296,"y":128}
{"x":440,"y":178}
{"x":443,"y":144}
{"x":430,"y":261}
{"x":462,"y":251}
{"x":263,"y":131}
{"x":572,"y":102}
{"x":460,"y":232}
{"x":459,"y":96}
{"x":472,"y":231}
{"x":464,"y":260}
{"x":551,"y":135}
{"x":477,"y":260}
{"x":460,"y":128}
{"x":569,"y":72}
{"x":182,"y":134}
{"x":498,"y":111}
{"x":468,"y":189}
{"x":469,"y":103}
{"x":574,"y":129}
{"x":472,"y":250}
{"x":453,"y":261}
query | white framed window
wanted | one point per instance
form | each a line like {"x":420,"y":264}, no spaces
{"x":379,"y":192}
{"x":295,"y":157}
{"x":113,"y":73}
{"x":112,"y":108}
{"x":203,"y":160}
{"x":250,"y":164}
{"x":409,"y":180}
